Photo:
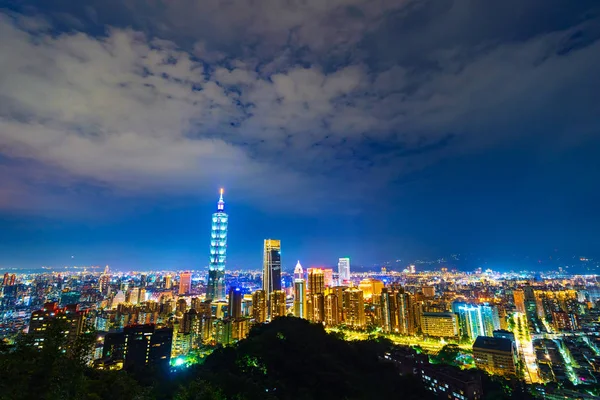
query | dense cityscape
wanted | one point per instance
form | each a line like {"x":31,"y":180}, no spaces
{"x":449,"y":327}
{"x":299,"y":200}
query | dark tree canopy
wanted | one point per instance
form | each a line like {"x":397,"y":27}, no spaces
{"x":291,"y":358}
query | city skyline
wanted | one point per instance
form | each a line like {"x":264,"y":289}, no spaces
{"x":299,"y":199}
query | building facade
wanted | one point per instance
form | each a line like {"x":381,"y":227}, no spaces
{"x":271,"y":266}
{"x":344,"y":270}
{"x":218,"y":252}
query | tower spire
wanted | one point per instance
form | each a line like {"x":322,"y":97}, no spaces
{"x":298,"y":272}
{"x":221,"y":203}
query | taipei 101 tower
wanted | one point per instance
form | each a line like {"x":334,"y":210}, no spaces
{"x":218,"y":253}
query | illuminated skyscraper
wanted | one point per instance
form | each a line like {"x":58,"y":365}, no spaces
{"x":298,"y":271}
{"x":259,"y":306}
{"x":471,"y":321}
{"x":316,"y":281}
{"x":185,"y":283}
{"x":277,"y":304}
{"x":339,"y":294}
{"x":104,"y":283}
{"x":354,"y":313}
{"x":235,"y":302}
{"x":271,"y":266}
{"x":344,"y":270}
{"x":387,"y":311}
{"x":299,"y":298}
{"x":316,"y":307}
{"x":218,"y":253}
{"x":332,"y":314}
{"x":495,"y":355}
{"x":328,"y":277}
{"x":439,"y":324}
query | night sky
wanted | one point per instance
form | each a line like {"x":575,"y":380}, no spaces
{"x":377,"y":130}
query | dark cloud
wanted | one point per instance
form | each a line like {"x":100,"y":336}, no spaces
{"x":323,"y":98}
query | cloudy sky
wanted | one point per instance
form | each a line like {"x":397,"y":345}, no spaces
{"x":374,"y":129}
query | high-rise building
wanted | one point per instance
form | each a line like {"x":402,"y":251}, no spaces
{"x":259,"y":306}
{"x":344,"y":270}
{"x":181,"y":306}
{"x":339,"y":294}
{"x":218,"y":252}
{"x":299,"y":298}
{"x":104,"y":283}
{"x":476,"y":320}
{"x":354,"y":308}
{"x":168,"y":283}
{"x":235,"y":302}
{"x":519,"y":300}
{"x":316,"y":281}
{"x":406,"y":318}
{"x":298,"y":271}
{"x":185,"y":283}
{"x":277,"y":304}
{"x":439,"y":324}
{"x":495,"y":355}
{"x":271,"y":266}
{"x":530,"y":302}
{"x":388,"y":310}
{"x":6,"y":279}
{"x":332,"y":314}
{"x":370,"y":287}
{"x":328,"y":277}
{"x":69,"y":318}
{"x":140,"y":345}
{"x":316,"y":307}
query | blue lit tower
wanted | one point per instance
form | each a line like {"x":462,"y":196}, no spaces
{"x":218,"y":253}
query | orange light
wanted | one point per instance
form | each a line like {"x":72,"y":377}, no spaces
{"x":221,"y":191}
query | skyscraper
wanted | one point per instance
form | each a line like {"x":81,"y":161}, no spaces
{"x":316,"y":307}
{"x":218,"y":252}
{"x":355,"y":308}
{"x":328,"y":277}
{"x":298,"y":271}
{"x":344,"y":270}
{"x":185,"y":283}
{"x":140,"y":345}
{"x":299,"y":298}
{"x":271,"y":266}
{"x":235,"y":302}
{"x":277,"y":304}
{"x":332,"y":313}
{"x":387,"y":312}
{"x":259,"y":306}
{"x":316,"y":281}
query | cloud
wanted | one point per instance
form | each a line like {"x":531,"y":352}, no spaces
{"x":300,"y":103}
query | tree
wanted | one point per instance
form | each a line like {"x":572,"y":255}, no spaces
{"x":291,"y":358}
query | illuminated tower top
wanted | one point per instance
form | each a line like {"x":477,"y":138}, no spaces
{"x":298,"y":272}
{"x":221,"y":203}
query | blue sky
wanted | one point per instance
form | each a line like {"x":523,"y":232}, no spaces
{"x":375,"y":130}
